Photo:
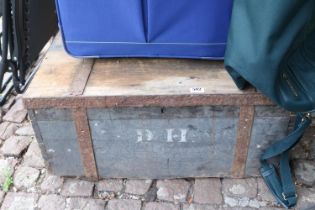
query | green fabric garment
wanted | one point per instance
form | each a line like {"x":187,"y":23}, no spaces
{"x":271,"y":46}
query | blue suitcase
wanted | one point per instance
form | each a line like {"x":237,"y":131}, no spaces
{"x":145,"y":28}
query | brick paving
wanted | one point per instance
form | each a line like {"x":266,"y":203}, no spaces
{"x":35,"y":188}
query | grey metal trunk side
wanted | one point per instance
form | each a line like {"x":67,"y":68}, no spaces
{"x":155,"y":142}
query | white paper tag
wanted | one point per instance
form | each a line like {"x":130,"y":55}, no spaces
{"x":197,"y":90}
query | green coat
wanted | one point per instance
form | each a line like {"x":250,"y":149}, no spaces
{"x":271,"y":45}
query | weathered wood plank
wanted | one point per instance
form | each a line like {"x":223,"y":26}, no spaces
{"x":55,"y":75}
{"x":81,"y":77}
{"x":116,"y":77}
{"x":57,"y":78}
{"x":133,"y":82}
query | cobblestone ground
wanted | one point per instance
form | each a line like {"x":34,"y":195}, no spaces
{"x":33,"y":187}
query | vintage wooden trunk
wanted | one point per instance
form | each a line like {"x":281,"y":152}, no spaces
{"x":148,"y":118}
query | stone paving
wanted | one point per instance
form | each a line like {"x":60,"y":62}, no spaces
{"x":27,"y":184}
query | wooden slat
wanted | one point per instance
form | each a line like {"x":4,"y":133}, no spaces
{"x":243,"y":140}
{"x":81,"y":77}
{"x":64,"y":81}
{"x":116,"y":77}
{"x":85,"y":143}
{"x":55,"y":75}
{"x":60,"y":74}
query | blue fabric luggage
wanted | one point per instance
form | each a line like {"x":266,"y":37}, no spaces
{"x":145,"y":28}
